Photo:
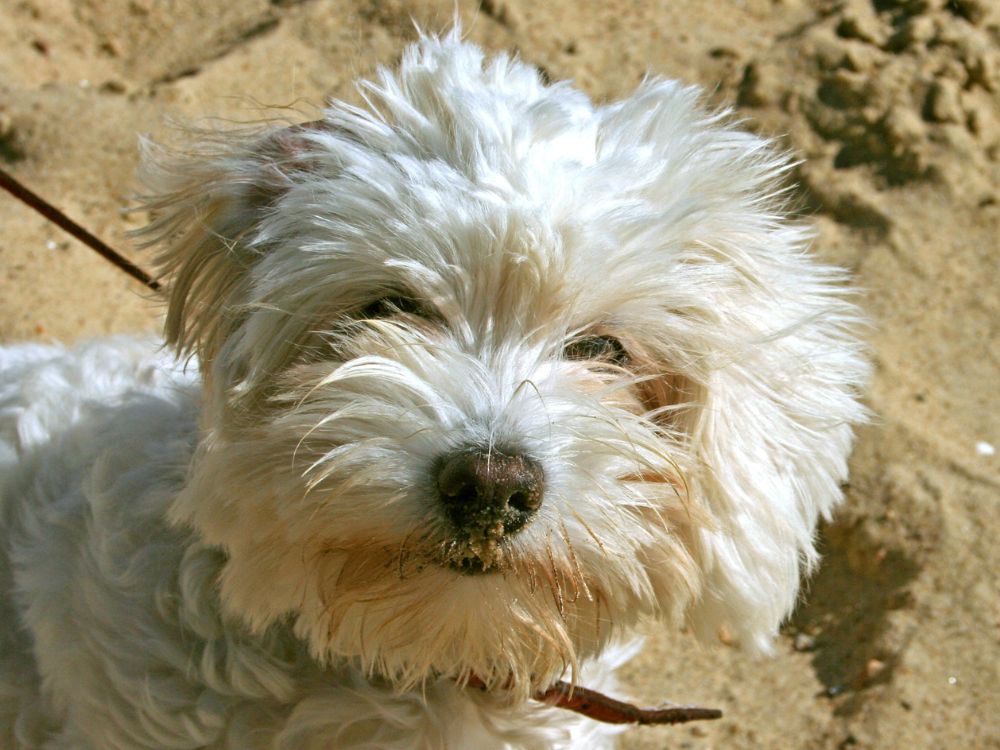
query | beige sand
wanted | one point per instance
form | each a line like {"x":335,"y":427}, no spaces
{"x":895,"y":107}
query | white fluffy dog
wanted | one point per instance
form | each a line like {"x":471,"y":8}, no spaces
{"x":489,"y":374}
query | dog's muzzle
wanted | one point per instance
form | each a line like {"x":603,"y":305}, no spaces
{"x":489,"y":494}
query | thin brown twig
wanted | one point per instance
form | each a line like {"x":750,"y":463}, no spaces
{"x":57,"y":217}
{"x":600,"y":707}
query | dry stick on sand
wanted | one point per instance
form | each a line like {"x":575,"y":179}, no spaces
{"x":589,"y":703}
{"x":601,"y":707}
{"x":57,"y":217}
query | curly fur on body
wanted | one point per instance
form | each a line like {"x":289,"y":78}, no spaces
{"x":251,"y":552}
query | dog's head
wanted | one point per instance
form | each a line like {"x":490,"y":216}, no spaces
{"x":494,"y":373}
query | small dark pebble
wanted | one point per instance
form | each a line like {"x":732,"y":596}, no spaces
{"x":721,"y":52}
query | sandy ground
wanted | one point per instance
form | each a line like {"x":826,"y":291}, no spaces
{"x":894,"y":105}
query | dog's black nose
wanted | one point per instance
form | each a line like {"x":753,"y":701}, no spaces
{"x":488,"y":492}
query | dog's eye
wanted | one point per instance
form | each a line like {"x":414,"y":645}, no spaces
{"x":604,"y":348}
{"x":392,"y":305}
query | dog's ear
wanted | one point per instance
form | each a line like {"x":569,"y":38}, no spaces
{"x":771,"y":443}
{"x":206,"y":203}
{"x":768,"y":338}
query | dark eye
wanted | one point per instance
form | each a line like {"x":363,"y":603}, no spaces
{"x":390,"y":306}
{"x":604,"y":348}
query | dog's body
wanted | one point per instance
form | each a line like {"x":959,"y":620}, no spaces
{"x":489,"y":375}
{"x":118,"y":611}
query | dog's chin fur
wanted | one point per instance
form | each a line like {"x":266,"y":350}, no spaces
{"x":255,"y":555}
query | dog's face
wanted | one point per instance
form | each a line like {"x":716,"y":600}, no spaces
{"x":493,"y":373}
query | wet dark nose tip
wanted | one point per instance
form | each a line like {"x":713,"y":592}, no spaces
{"x":489,"y":491}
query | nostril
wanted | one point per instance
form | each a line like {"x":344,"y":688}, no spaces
{"x":458,"y":484}
{"x":456,"y":487}
{"x":525,"y":501}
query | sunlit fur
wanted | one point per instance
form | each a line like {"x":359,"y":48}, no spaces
{"x":255,"y":556}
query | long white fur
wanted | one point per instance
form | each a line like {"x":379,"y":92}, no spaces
{"x":251,"y":556}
